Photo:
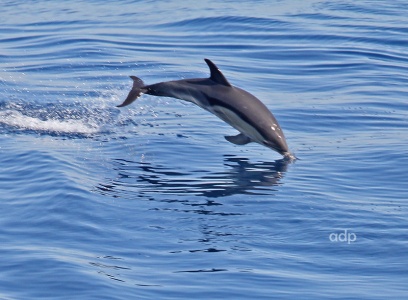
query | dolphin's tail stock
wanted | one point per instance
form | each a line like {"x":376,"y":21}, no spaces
{"x":135,"y":92}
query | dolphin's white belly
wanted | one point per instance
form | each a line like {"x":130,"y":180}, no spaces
{"x":238,"y":123}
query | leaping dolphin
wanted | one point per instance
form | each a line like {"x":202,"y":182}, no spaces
{"x":240,"y":109}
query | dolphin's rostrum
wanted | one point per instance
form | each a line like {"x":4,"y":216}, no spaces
{"x":240,"y":109}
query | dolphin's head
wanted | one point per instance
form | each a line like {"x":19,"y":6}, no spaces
{"x":275,"y":140}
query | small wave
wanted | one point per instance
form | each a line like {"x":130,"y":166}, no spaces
{"x":21,"y":121}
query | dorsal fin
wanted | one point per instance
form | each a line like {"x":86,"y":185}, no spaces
{"x":216,"y":74}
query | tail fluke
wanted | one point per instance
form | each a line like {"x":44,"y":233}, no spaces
{"x":136,"y":91}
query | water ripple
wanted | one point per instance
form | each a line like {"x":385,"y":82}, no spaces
{"x":151,"y":201}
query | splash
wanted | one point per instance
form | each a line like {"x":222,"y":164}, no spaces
{"x":19,"y":120}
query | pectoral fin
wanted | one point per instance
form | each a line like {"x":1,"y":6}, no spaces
{"x":240,"y":139}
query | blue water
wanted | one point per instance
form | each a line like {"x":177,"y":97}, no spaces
{"x":151,"y":202}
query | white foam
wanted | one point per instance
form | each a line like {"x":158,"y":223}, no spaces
{"x":19,"y":120}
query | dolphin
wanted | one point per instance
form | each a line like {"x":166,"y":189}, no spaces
{"x":233,"y":105}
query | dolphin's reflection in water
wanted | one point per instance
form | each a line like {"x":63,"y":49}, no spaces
{"x":192,"y":192}
{"x":240,"y":177}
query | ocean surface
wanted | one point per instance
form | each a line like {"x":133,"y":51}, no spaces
{"x":151,"y":202}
